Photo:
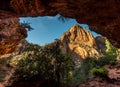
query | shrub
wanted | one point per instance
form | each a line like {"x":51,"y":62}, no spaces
{"x":49,"y":63}
{"x":110,"y":56}
{"x":90,"y":66}
{"x":99,"y":72}
{"x":81,"y":74}
{"x":26,"y":25}
{"x":107,"y":59}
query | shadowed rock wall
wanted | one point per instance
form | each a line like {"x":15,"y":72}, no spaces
{"x":11,"y":33}
{"x":103,"y":16}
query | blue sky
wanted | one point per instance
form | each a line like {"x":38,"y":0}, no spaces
{"x":48,"y":28}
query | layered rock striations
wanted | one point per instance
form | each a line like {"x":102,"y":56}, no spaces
{"x":11,"y":33}
{"x":79,"y":43}
{"x":102,"y":16}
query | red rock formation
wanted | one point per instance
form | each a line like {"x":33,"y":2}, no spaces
{"x":100,"y":41}
{"x":103,"y":16}
{"x":113,"y":79}
{"x":79,"y":43}
{"x":100,"y":82}
{"x":10,"y":35}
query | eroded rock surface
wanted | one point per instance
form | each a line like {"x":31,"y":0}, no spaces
{"x":103,"y":16}
{"x":76,"y":40}
{"x":79,"y":43}
{"x":11,"y":33}
{"x":101,"y":43}
{"x":113,"y":79}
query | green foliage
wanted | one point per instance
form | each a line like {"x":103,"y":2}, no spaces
{"x":81,"y":74}
{"x":30,"y":66}
{"x":107,"y":59}
{"x":49,"y":62}
{"x":94,"y":66}
{"x":45,"y":63}
{"x":110,"y":48}
{"x":110,"y":56}
{"x":118,"y":54}
{"x":26,"y":25}
{"x":99,"y":72}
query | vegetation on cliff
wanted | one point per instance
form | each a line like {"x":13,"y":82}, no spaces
{"x":95,"y":66}
{"x":46,"y":63}
{"x":56,"y":61}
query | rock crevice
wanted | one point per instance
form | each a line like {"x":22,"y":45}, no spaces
{"x":102,"y":16}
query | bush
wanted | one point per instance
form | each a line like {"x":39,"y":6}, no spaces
{"x":99,"y":72}
{"x":90,"y":66}
{"x":107,"y":59}
{"x":110,"y":56}
{"x":26,"y":25}
{"x":81,"y":74}
{"x":49,"y":63}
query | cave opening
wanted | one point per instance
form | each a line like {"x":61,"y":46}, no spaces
{"x":48,"y":28}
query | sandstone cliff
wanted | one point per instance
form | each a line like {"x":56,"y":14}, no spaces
{"x":79,"y":43}
{"x":113,"y":79}
{"x":11,"y":33}
{"x":102,"y":16}
{"x":100,"y":41}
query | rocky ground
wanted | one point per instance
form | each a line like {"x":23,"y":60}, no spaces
{"x":10,"y":57}
{"x":113,"y":79}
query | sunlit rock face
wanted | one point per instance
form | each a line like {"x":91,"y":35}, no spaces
{"x":11,"y":33}
{"x":79,"y":43}
{"x":103,"y":16}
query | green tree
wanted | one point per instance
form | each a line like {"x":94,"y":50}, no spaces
{"x":47,"y":63}
{"x":26,"y":25}
{"x":110,"y":56}
{"x":99,"y":72}
{"x":110,"y":48}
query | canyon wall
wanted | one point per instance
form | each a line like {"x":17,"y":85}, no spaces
{"x":102,"y":16}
